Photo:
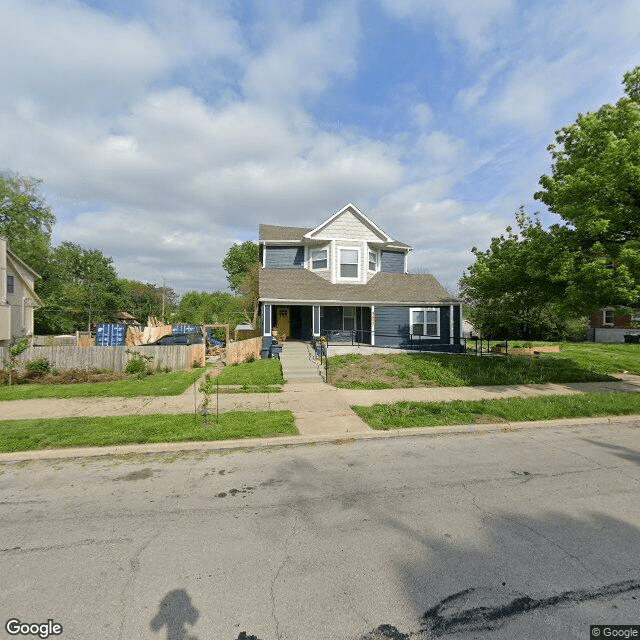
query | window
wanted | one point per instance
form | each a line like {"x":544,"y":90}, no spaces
{"x":608,"y":316}
{"x":425,"y":322}
{"x":348,"y":318}
{"x":373,"y":261}
{"x":319,"y":259}
{"x":10,"y":284}
{"x":348,"y":263}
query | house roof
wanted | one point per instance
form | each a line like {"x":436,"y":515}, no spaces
{"x":273,"y":233}
{"x":304,"y":286}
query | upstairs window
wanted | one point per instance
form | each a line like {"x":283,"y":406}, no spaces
{"x":608,"y":316}
{"x":348,"y":263}
{"x":10,"y":287}
{"x":373,"y":261}
{"x":319,"y":259}
{"x":425,"y":322}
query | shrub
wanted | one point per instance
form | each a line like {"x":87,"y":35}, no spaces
{"x":39,"y":365}
{"x":138,"y":364}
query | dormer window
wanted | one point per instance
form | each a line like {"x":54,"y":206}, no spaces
{"x":319,"y":259}
{"x":373,"y":261}
{"x":349,"y":263}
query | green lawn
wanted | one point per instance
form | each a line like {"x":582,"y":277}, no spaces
{"x":255,"y":374}
{"x":158,"y":384}
{"x":602,"y":358}
{"x":433,"y":414}
{"x":25,"y":435}
{"x":387,"y":371}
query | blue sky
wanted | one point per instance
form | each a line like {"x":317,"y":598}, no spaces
{"x":165,"y":131}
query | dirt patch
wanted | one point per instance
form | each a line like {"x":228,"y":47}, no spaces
{"x":375,"y":368}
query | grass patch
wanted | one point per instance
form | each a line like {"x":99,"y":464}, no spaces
{"x":356,"y":371}
{"x":601,"y":358}
{"x":433,"y":414}
{"x":26,"y":435}
{"x":257,"y":373}
{"x":158,"y":384}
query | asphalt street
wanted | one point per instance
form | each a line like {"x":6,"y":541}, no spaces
{"x":532,"y":534}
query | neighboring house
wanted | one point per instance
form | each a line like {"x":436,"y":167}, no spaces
{"x":346,"y":278}
{"x":18,"y":298}
{"x":606,"y":326}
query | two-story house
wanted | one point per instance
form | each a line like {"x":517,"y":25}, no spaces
{"x":347,"y":278}
{"x":18,"y":298}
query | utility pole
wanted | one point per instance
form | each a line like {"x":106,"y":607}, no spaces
{"x":164,"y":285}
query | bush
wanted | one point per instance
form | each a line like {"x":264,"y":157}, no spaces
{"x":39,"y":365}
{"x":138,"y":364}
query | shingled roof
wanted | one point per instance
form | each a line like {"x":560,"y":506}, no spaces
{"x":273,"y":233}
{"x":301,"y":285}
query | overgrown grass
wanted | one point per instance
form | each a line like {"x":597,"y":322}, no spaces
{"x":159,"y":384}
{"x":253,"y":374}
{"x":25,"y":435}
{"x":601,"y":358}
{"x":432,"y":414}
{"x":357,"y":371}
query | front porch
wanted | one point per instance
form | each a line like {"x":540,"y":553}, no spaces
{"x":308,"y":322}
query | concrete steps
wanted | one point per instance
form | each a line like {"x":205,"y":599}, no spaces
{"x":298,"y":363}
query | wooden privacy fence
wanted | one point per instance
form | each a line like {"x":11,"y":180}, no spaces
{"x":173,"y":357}
{"x":244,"y":350}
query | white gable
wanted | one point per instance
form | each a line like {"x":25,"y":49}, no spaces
{"x":349,"y":224}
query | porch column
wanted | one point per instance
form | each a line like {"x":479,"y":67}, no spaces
{"x":266,"y":319}
{"x":373,"y":325}
{"x":450,"y":324}
{"x":316,"y":320}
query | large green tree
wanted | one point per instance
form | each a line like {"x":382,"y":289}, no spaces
{"x":594,"y":187}
{"x":201,"y":307}
{"x":591,"y":258}
{"x":26,"y":220}
{"x":81,"y":289}
{"x":143,"y":299}
{"x":238,"y":261}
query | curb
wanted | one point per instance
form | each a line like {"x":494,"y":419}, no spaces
{"x":231,"y":446}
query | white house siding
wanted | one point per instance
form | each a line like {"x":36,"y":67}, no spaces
{"x":348,"y":227}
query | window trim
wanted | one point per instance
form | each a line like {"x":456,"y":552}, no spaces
{"x":417,"y":336}
{"x":376,"y":261}
{"x":604,"y":317}
{"x":357,"y":263}
{"x":325,"y":260}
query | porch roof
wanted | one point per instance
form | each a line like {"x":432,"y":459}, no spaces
{"x":304,"y":286}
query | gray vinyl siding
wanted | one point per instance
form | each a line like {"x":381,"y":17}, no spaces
{"x":392,"y":326}
{"x":392,"y":330}
{"x":284,"y":257}
{"x":392,"y":262}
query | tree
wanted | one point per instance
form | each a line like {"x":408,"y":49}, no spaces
{"x":200,"y":307}
{"x":250,"y":291}
{"x":25,"y":219}
{"x":142,"y":299}
{"x":81,"y":289}
{"x":509,"y":290}
{"x":595,"y":188}
{"x":591,"y":258}
{"x":238,"y":261}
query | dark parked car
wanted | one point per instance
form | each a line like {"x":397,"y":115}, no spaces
{"x":177,"y":338}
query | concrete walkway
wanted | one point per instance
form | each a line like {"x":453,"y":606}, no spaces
{"x":319,"y":409}
{"x":298,"y":363}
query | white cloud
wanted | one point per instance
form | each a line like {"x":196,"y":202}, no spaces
{"x":475,"y":24}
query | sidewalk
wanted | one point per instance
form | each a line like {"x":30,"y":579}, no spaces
{"x":319,"y":409}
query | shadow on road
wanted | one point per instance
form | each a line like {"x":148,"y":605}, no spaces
{"x":175,"y":612}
